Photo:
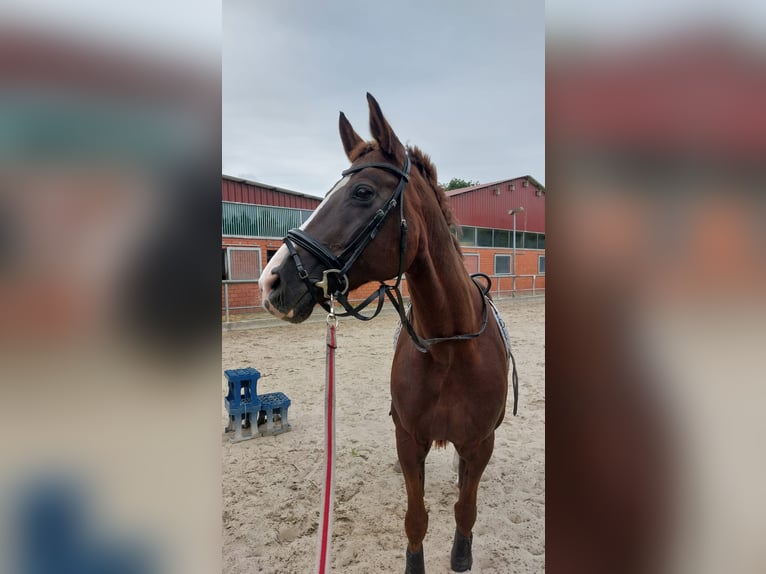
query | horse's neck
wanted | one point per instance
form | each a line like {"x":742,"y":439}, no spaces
{"x":444,"y":300}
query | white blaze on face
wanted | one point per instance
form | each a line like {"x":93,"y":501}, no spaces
{"x":338,"y":186}
{"x":267,"y":278}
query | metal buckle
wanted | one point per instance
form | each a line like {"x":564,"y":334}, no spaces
{"x":324,"y":283}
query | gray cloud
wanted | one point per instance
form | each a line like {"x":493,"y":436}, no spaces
{"x":465,"y":82}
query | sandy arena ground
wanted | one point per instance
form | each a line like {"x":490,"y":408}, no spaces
{"x":272,"y":485}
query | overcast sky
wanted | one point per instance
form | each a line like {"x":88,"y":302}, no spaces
{"x":464,"y":81}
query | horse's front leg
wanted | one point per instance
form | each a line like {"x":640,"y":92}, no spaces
{"x":412,"y":458}
{"x":471,"y":467}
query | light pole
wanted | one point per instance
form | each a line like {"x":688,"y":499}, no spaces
{"x":513,"y":212}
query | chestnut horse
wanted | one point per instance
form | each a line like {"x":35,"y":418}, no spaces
{"x":449,"y":378}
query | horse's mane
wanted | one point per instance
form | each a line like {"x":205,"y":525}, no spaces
{"x":361,"y":149}
{"x":426,"y":167}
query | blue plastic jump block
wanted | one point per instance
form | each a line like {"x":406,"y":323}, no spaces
{"x":246,"y":374}
{"x":274,"y":401}
{"x":243,"y":420}
{"x":273,"y":405}
{"x":248,"y":407}
{"x":243,"y":388}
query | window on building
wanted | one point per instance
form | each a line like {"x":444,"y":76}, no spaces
{"x":502,"y":264}
{"x":483,"y":237}
{"x":305,"y":214}
{"x":242,"y":263}
{"x":245,"y":220}
{"x":541,"y":264}
{"x":502,"y":238}
{"x":468,"y":236}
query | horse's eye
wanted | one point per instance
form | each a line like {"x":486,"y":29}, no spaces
{"x":363,"y":193}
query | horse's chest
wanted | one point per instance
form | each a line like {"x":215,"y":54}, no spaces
{"x":450,"y":397}
{"x":441,"y":407}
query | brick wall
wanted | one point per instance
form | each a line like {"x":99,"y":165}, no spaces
{"x":526,"y":264}
{"x":248,"y":295}
{"x":245,"y":294}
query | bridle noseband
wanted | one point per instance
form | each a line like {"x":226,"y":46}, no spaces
{"x":334,"y":281}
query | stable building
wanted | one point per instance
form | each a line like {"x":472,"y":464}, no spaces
{"x":502,"y":234}
{"x":255,"y":218}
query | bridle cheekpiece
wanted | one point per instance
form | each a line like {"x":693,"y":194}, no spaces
{"x":334,"y":281}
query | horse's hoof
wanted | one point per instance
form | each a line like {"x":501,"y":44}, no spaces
{"x":461,"y":558}
{"x":415,"y":562}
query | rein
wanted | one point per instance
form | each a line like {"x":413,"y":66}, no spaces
{"x":334,"y":282}
{"x":328,"y":490}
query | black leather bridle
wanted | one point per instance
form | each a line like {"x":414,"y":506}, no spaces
{"x":335,"y":282}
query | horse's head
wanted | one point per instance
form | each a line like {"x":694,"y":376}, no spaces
{"x":354,"y":235}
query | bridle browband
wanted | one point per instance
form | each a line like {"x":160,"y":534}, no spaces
{"x":335,"y":282}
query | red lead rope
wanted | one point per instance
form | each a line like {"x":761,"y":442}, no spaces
{"x":328,"y":490}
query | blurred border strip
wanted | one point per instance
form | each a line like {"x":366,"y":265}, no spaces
{"x":656,"y":152}
{"x":120,"y":390}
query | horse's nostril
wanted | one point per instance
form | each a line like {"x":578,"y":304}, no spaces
{"x":275,"y":280}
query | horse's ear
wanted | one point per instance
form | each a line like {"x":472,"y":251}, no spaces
{"x":382,"y":131}
{"x":348,"y":136}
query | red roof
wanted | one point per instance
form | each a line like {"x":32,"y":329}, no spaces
{"x":488,"y":204}
{"x":244,"y":191}
{"x":479,"y":186}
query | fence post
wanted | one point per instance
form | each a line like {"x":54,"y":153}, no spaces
{"x":226,"y":299}
{"x":534,"y":278}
